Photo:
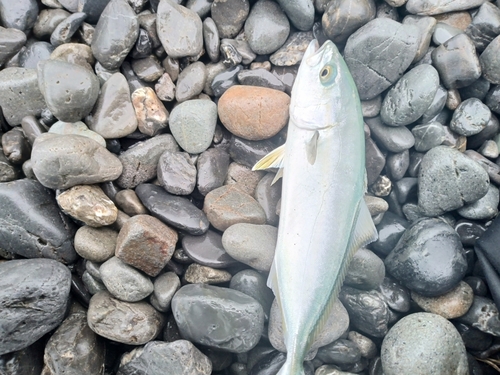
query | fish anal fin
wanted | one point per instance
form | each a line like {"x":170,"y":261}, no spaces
{"x":312,"y":148}
{"x":272,"y":283}
{"x":278,"y":175}
{"x":272,"y":160}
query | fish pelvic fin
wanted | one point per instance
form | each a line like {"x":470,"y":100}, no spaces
{"x":293,"y":366}
{"x":275,"y":159}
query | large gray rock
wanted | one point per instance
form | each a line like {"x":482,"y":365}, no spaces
{"x":431,"y":7}
{"x":20,"y":15}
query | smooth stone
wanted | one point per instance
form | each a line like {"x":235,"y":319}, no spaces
{"x":478,"y":89}
{"x":260,"y":77}
{"x":432,"y":7}
{"x":125,"y":282}
{"x":190,"y":82}
{"x":156,"y":358}
{"x":104,"y":74}
{"x":406,"y":189}
{"x":198,"y":274}
{"x":115,"y":34}
{"x":459,"y":180}
{"x":21,"y":15}
{"x":145,"y":243}
{"x":428,"y":136}
{"x":152,"y":116}
{"x":224,"y":80}
{"x":266,"y":27}
{"x":268,"y":195}
{"x":429,"y":258}
{"x":236,"y":51}
{"x":76,"y":128}
{"x":63,"y":161}
{"x":86,"y":33}
{"x":70,"y":5}
{"x":489,"y":149}
{"x":117,"y":320}
{"x":88,"y":204}
{"x":392,"y":138}
{"x":165,"y":287}
{"x":213,"y":69}
{"x":148,"y":69}
{"x":491,"y":168}
{"x":378,"y":53}
{"x":8,"y":171}
{"x":65,"y":30}
{"x":483,"y":209}
{"x":93,"y":9}
{"x":292,"y":51}
{"x":485,"y":25}
{"x":483,"y":315}
{"x":128,"y":201}
{"x":423,"y":343}
{"x":368,"y":312}
{"x":180,"y":30}
{"x":457,"y":62}
{"x":411,"y":96}
{"x":202,"y":7}
{"x":300,"y":13}
{"x":436,"y":106}
{"x":12,"y":40}
{"x":469,"y":231}
{"x":95,"y":244}
{"x":141,"y":161}
{"x":68,"y":99}
{"x":30,"y":56}
{"x":211,"y":39}
{"x":243,"y":177}
{"x":367,"y":347}
{"x":426,"y":26}
{"x":142,"y":50}
{"x":341,"y":352}
{"x":177,"y":173}
{"x":470,"y":118}
{"x":397,"y":164}
{"x":165,"y":88}
{"x":375,"y":160}
{"x":444,"y":32}
{"x":473,"y":338}
{"x":396,"y":296}
{"x":490,"y":63}
{"x":34,"y":295}
{"x":251,"y":244}
{"x":342,"y":18}
{"x":253,"y":284}
{"x":371,"y":108}
{"x":47,"y":21}
{"x":218,"y":208}
{"x":29,"y":360}
{"x":213,"y":165}
{"x":207,"y":249}
{"x":74,"y":347}
{"x":173,"y":210}
{"x":366,"y":270}
{"x":451,"y":305}
{"x":20,"y":94}
{"x":253,"y":113}
{"x":113,"y":115}
{"x":15,"y":146}
{"x":247,"y":152}
{"x":229,"y":16}
{"x":331,"y":370}
{"x":376,"y":205}
{"x":218,"y":317}
{"x":192,"y":124}
{"x":32,"y":224}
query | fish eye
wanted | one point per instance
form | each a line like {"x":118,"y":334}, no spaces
{"x":327,"y":74}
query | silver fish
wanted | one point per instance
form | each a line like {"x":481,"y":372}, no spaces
{"x":324,"y":218}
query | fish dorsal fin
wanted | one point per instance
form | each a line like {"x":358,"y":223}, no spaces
{"x":272,"y":160}
{"x":364,"y":232}
{"x":312,"y":148}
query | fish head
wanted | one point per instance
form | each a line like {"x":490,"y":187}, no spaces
{"x":322,"y":87}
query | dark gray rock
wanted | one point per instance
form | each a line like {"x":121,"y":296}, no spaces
{"x":448,"y":180}
{"x":366,"y":270}
{"x":428,"y":259}
{"x":63,"y":161}
{"x":224,"y":80}
{"x":143,"y":47}
{"x":375,"y":161}
{"x":229,"y":16}
{"x":260,"y":77}
{"x":470,"y":117}
{"x":483,"y":315}
{"x":390,"y":230}
{"x":15,"y":146}
{"x":177,"y":173}
{"x":426,"y":26}
{"x":211,"y":39}
{"x":213,"y":165}
{"x":394,"y":139}
{"x":25,"y":361}
{"x":378,"y":53}
{"x":20,"y":15}
{"x":397,"y":164}
{"x":218,"y":317}
{"x":165,"y":287}
{"x":190,"y":82}
{"x":207,"y":250}
{"x":47,"y":21}
{"x":65,"y":30}
{"x":300,"y":13}
{"x":428,"y":136}
{"x":411,"y":96}
{"x":20,"y":94}
{"x":32,"y":224}
{"x":268,"y":196}
{"x":485,"y":26}
{"x":396,"y":296}
{"x":8,"y":171}
{"x":483,"y":209}
{"x":490,"y":62}
{"x":34,"y":53}
{"x":70,"y":90}
{"x":34,"y":295}
{"x":492,"y":99}
{"x":176,"y":211}
{"x":431,"y":7}
{"x":95,"y":244}
{"x":444,"y":32}
{"x":340,"y":352}
{"x":252,"y":283}
{"x":436,"y":106}
{"x":11,"y":41}
{"x":92,"y":8}
{"x":115,"y":34}
{"x":236,"y":51}
{"x":202,"y":7}
{"x":148,"y":68}
{"x":249,"y":152}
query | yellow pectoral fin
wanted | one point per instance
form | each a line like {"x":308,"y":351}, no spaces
{"x":272,"y":160}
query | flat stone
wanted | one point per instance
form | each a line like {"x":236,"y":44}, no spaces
{"x":34,"y":295}
{"x":21,"y":16}
{"x":215,"y":317}
{"x":191,"y":81}
{"x":192,"y":124}
{"x":177,"y":173}
{"x":253,"y":284}
{"x":117,"y":320}
{"x":431,"y":7}
{"x":31,"y":223}
{"x":63,"y":161}
{"x":243,"y":177}
{"x":366,"y":270}
{"x":113,"y":115}
{"x":219,"y":208}
{"x":229,"y":16}
{"x":77,"y":128}
{"x":198,"y":274}
{"x":207,"y":250}
{"x":253,"y":113}
{"x":165,"y":287}
{"x":12,"y":41}
{"x":65,"y":30}
{"x":47,"y":21}
{"x":115,"y":34}
{"x":485,"y":208}
{"x":145,"y":243}
{"x":341,"y":352}
{"x":148,"y":68}
{"x":152,"y":116}
{"x":392,"y":138}
{"x":426,"y":25}
{"x":173,"y":210}
{"x":95,"y":244}
{"x":213,"y":165}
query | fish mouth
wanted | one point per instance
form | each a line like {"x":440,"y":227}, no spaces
{"x":314,"y":54}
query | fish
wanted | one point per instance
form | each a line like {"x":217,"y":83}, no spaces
{"x":324,"y":218}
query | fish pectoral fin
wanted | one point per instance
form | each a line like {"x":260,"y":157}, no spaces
{"x":272,"y":160}
{"x":312,"y":148}
{"x":364,"y":231}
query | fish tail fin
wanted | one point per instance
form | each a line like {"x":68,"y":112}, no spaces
{"x":293,"y":366}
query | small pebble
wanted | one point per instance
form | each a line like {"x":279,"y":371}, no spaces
{"x":95,"y":244}
{"x":152,"y":116}
{"x":198,"y":274}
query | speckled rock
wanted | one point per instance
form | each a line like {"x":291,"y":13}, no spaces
{"x":152,"y":116}
{"x":427,"y":7}
{"x":293,"y":50}
{"x":198,"y":274}
{"x":229,"y":16}
{"x":177,"y":173}
{"x":470,"y":117}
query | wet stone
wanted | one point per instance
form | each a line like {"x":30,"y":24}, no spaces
{"x":459,"y":180}
{"x":30,"y":56}
{"x":483,"y":315}
{"x":260,"y":77}
{"x":198,"y":274}
{"x":469,"y":232}
{"x":224,"y":80}
{"x":113,"y":115}
{"x":89,"y":204}
{"x":428,"y":136}
{"x":428,"y":7}
{"x":15,"y":146}
{"x":47,"y":21}
{"x":375,"y":161}
{"x":212,"y":168}
{"x":176,"y":211}
{"x":429,"y":258}
{"x":156,"y":357}
{"x":253,"y":284}
{"x":219,"y":205}
{"x":125,"y":282}
{"x":425,"y":343}
{"x":444,"y":32}
{"x":426,"y":26}
{"x":128,"y":201}
{"x":63,"y":161}
{"x":191,"y":81}
{"x":436,"y":106}
{"x":207,"y":250}
{"x":64,"y":30}
{"x":366,"y":270}
{"x":34,"y":295}
{"x":485,"y":25}
{"x":148,"y":69}
{"x":470,"y":117}
{"x":483,"y":209}
{"x":489,"y":149}
{"x":115,"y":34}
{"x":116,"y":320}
{"x":76,"y":128}
{"x":21,"y":16}
{"x":177,"y":173}
{"x":397,"y":164}
{"x":490,"y":63}
{"x":229,"y":16}
{"x":211,"y":39}
{"x":165,"y":287}
{"x":143,"y":48}
{"x":214,"y":316}
{"x":340,"y":352}
{"x":192,"y":124}
{"x":371,"y":108}
{"x":293,"y":49}
{"x":165,"y":88}
{"x":394,"y":139}
{"x":378,"y":53}
{"x":152,"y":116}
{"x":267,"y":196}
{"x":141,"y":161}
{"x":243,"y":177}
{"x":367,"y":347}
{"x":300,"y":13}
{"x":145,"y":243}
{"x":396,"y":296}
{"x":8,"y":172}
{"x":12,"y":41}
{"x":20,"y":94}
{"x":180,"y":30}
{"x":95,"y":244}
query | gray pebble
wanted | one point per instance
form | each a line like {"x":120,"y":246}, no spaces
{"x":64,"y":30}
{"x":207,"y":250}
{"x":260,"y":77}
{"x":190,"y":82}
{"x":202,"y":7}
{"x":300,"y":13}
{"x":483,"y":315}
{"x":93,"y":9}
{"x":33,"y":53}
{"x":396,"y":296}
{"x":20,"y":15}
{"x":253,"y":283}
{"x":485,"y":25}
{"x":470,"y":117}
{"x":489,"y":149}
{"x":95,"y":244}
{"x":268,"y":196}
{"x":341,"y":352}
{"x":366,"y":270}
{"x":242,"y":49}
{"x":431,"y":7}
{"x":198,"y":274}
{"x":76,"y":128}
{"x":293,"y":49}
{"x":213,"y":165}
{"x":371,"y":108}
{"x":367,"y":347}
{"x":490,"y":62}
{"x":394,"y":139}
{"x":428,"y":136}
{"x":128,"y":201}
{"x":483,"y":209}
{"x":444,"y":32}
{"x":165,"y":88}
{"x":148,"y":69}
{"x":177,"y":173}
{"x":47,"y":21}
{"x":397,"y":164}
{"x":375,"y":161}
{"x":436,"y":106}
{"x":8,"y":171}
{"x":426,"y":26}
{"x":15,"y":146}
{"x":211,"y":39}
{"x":12,"y":40}
{"x":165,"y":287}
{"x":229,"y":16}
